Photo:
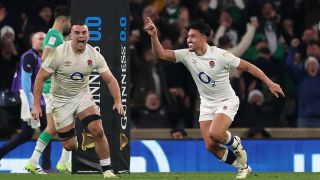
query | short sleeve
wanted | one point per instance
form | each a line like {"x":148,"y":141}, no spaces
{"x":232,"y":61}
{"x":101,"y":64}
{"x":181,"y":54}
{"x":49,"y":62}
{"x":52,"y":40}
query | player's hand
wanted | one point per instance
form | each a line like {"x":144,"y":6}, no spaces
{"x":119,"y":108}
{"x":276,"y":90}
{"x":36,"y":112}
{"x":150,"y":27}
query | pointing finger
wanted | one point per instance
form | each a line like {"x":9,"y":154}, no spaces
{"x":149,"y":20}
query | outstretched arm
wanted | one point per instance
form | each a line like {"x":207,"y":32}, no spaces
{"x":255,"y":71}
{"x":37,"y":92}
{"x":114,"y":89}
{"x":164,"y":54}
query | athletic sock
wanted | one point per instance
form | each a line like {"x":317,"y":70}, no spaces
{"x":65,"y":156}
{"x":42,"y":142}
{"x":229,"y":158}
{"x":105,"y":164}
{"x":231,"y":141}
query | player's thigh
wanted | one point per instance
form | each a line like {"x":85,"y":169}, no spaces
{"x":92,"y":120}
{"x":47,"y":98}
{"x":219,"y":125}
{"x":87,"y":112}
{"x":64,"y":120}
{"x":67,"y":135}
{"x":224,"y":115}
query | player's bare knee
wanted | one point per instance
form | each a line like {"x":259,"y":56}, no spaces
{"x":97,"y":132}
{"x":68,"y":139}
{"x":93,"y":122}
{"x":216,"y":137}
{"x":70,"y":146}
{"x":211,"y":146}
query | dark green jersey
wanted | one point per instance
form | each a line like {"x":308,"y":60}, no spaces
{"x":52,"y":40}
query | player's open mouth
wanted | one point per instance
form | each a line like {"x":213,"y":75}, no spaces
{"x":81,"y":42}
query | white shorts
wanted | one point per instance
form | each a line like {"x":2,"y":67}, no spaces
{"x":228,"y":107}
{"x":47,"y":99}
{"x":65,"y":115}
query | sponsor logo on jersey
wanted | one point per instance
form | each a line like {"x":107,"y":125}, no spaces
{"x":89,"y":62}
{"x":194,"y":61}
{"x":212,"y":63}
{"x":206,"y":79}
{"x":77,"y":76}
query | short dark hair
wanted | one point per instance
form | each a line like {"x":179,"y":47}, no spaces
{"x":201,"y":26}
{"x":181,"y":130}
{"x":61,"y":11}
{"x":224,"y":41}
{"x":80,"y":23}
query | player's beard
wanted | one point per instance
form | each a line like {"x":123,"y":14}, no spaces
{"x":66,"y":31}
{"x":191,"y":49}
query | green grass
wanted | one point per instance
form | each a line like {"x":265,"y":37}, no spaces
{"x":164,"y":176}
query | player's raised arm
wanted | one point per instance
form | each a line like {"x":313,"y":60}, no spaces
{"x":165,"y":54}
{"x":37,"y":92}
{"x":255,"y":71}
{"x":114,"y":89}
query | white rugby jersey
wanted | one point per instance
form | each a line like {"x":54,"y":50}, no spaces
{"x":71,"y":71}
{"x":210,"y":71}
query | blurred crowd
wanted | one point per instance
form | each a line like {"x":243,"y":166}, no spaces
{"x":281,"y":37}
{"x":19,"y":20}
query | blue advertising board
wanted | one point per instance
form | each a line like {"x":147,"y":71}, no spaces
{"x":191,"y":156}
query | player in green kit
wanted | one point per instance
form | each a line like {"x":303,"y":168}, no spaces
{"x":53,"y":39}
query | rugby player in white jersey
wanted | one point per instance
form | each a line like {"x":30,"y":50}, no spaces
{"x":70,"y":65}
{"x":209,"y":67}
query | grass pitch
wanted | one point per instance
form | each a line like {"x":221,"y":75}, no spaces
{"x":164,"y":176}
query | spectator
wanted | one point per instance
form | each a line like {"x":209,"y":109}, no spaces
{"x":204,"y":12}
{"x":287,"y":30}
{"x":148,"y":77}
{"x":152,"y":114}
{"x":178,"y":133}
{"x":170,"y":12}
{"x":254,"y":111}
{"x":8,"y":57}
{"x":307,"y":76}
{"x":42,"y":22}
{"x":224,"y":41}
{"x":258,"y":132}
{"x":4,"y":16}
